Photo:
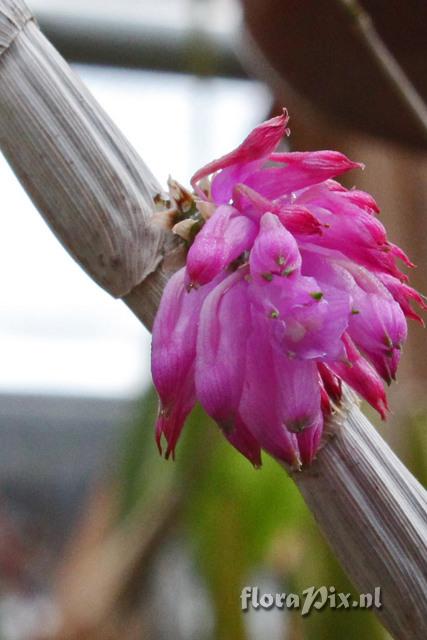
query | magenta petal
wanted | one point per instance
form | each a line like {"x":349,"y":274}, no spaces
{"x":302,"y":170}
{"x":351,"y":230}
{"x":306,"y":319}
{"x":300,"y":394}
{"x":173,"y":355}
{"x":404,"y":295}
{"x":298,"y":341}
{"x":241,"y":162}
{"x":362,"y":377}
{"x":362,"y":199}
{"x":309,"y":440}
{"x":379,"y":329}
{"x":221,"y":348}
{"x":173,"y":414}
{"x":356,"y":244}
{"x":294,"y":217}
{"x":377,"y":324}
{"x":253,"y":204}
{"x":278,"y":297}
{"x":260,"y":406}
{"x":242,"y":439}
{"x":275,"y":250}
{"x":345,"y":209}
{"x":325,"y":402}
{"x":333,"y":185}
{"x":300,"y":221}
{"x":320,"y":163}
{"x":331,"y":382}
{"x":397,"y":252}
{"x":220,"y":363}
{"x":281,"y":397}
{"x":174,"y":335}
{"x":314,"y":331}
{"x":222,"y":239}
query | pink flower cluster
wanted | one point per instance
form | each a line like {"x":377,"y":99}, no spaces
{"x":290,"y":288}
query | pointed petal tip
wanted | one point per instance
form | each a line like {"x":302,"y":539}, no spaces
{"x":280,"y":121}
{"x":240,"y":437}
{"x":170,"y":453}
{"x":160,"y":435}
{"x":256,"y":148}
{"x":382,"y":410}
{"x":255,"y":460}
{"x":159,"y":443}
{"x":309,"y":441}
{"x":352,"y":164}
{"x":397,"y":252}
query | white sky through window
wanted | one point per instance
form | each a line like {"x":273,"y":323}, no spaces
{"x":59,"y":332}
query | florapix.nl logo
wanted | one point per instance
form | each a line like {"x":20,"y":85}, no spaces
{"x":312,"y":598}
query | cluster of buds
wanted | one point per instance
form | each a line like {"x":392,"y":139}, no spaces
{"x":290,"y":287}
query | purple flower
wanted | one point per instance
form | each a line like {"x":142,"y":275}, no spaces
{"x":290,"y":288}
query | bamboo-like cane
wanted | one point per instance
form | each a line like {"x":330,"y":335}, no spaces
{"x":98,"y":198}
{"x":85,"y":178}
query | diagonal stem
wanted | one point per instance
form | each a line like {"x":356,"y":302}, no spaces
{"x":385,"y":60}
{"x":373,"y":514}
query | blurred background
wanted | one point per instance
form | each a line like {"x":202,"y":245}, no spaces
{"x":99,"y":537}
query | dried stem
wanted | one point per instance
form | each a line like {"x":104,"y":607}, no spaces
{"x":97,"y":196}
{"x":373,"y":513}
{"x":90,"y":185}
{"x":385,"y":60}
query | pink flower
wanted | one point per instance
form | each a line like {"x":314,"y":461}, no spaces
{"x":290,"y":288}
